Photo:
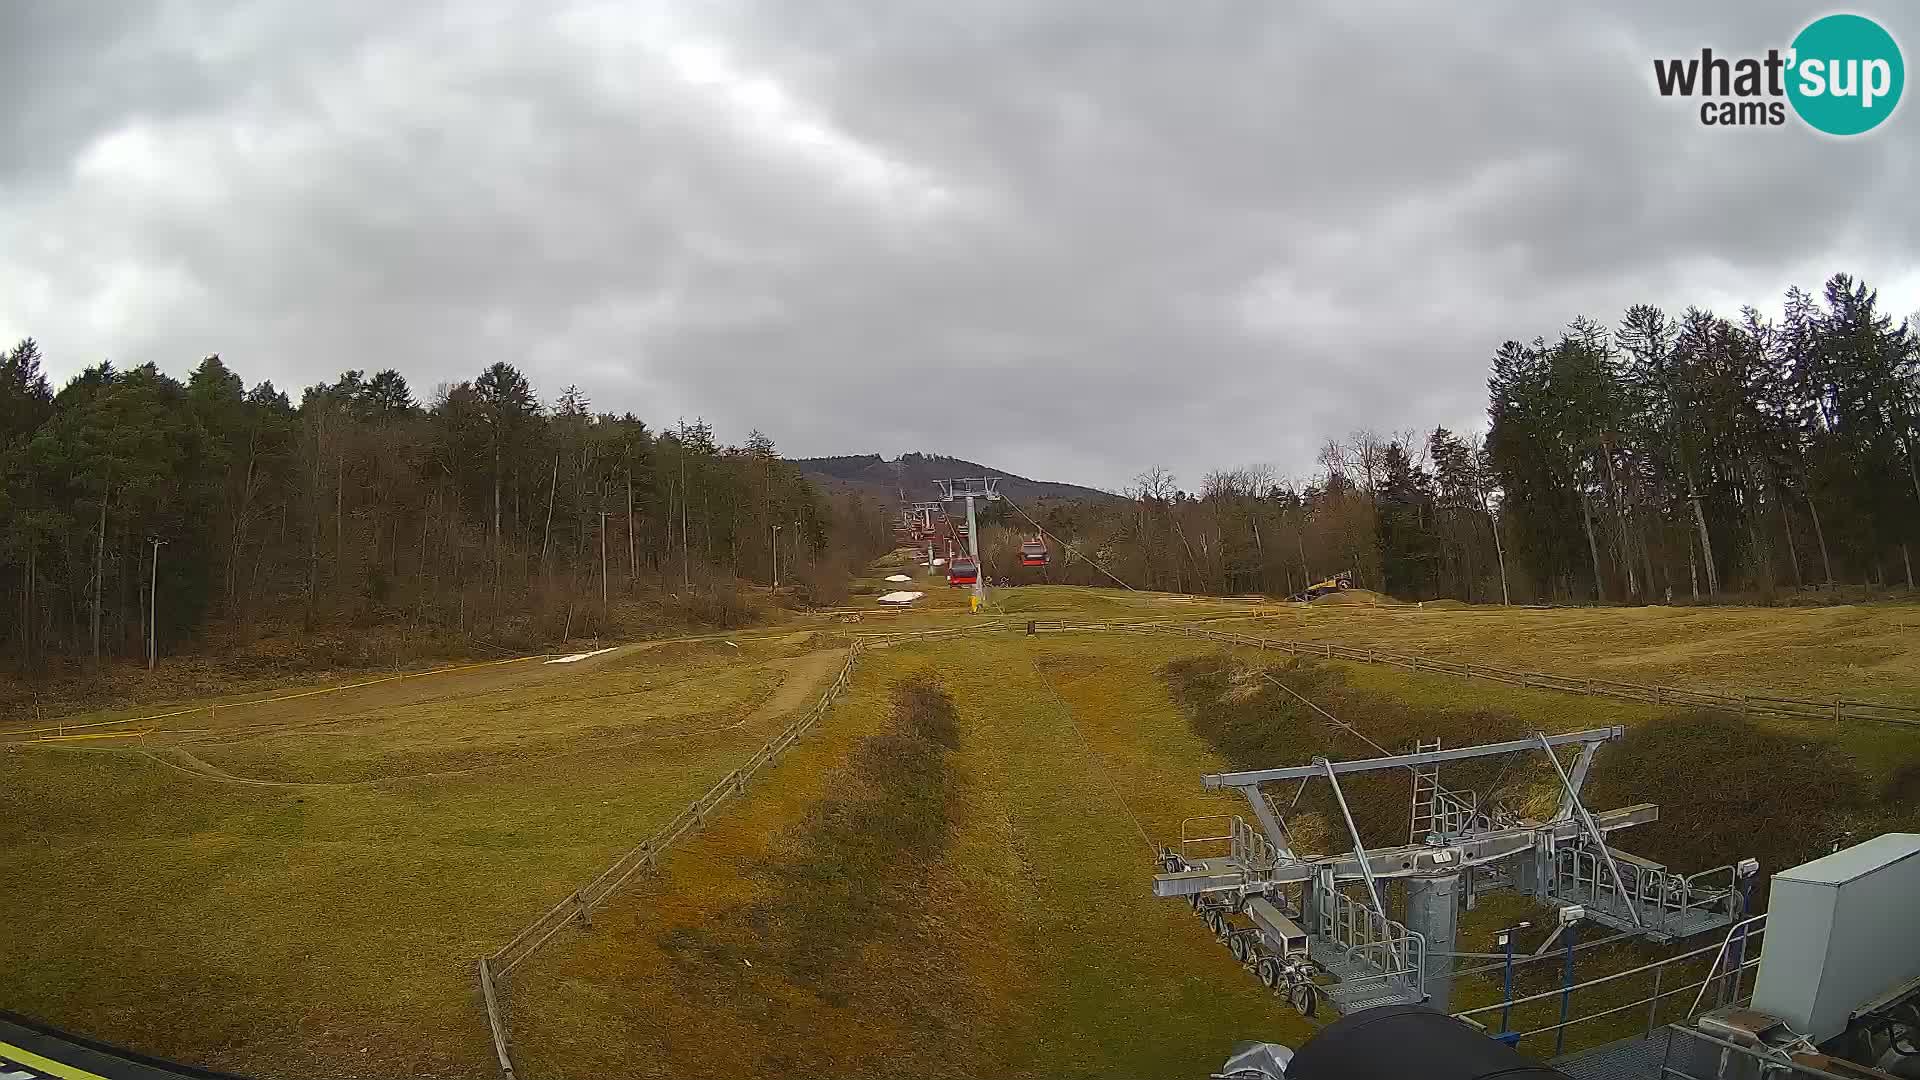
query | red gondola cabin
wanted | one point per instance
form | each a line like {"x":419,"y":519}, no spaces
{"x":962,"y":572}
{"x":1033,"y":553}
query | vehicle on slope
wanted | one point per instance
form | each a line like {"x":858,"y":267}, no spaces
{"x":1339,"y":582}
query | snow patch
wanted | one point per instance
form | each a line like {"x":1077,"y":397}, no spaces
{"x":895,"y":598}
{"x":579,"y":656}
{"x":898,"y":577}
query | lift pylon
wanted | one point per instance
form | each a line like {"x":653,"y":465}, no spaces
{"x":986,"y":488}
{"x":1339,"y":904}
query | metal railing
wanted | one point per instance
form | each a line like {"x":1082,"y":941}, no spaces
{"x":1395,"y":953}
{"x":1456,"y":813}
{"x":1694,"y":1048}
{"x":1245,"y":844}
{"x":1648,"y":887}
{"x":1729,"y":979}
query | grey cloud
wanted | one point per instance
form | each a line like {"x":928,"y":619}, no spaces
{"x":1071,"y":239}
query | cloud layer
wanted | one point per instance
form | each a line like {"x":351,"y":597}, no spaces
{"x":1071,"y":239}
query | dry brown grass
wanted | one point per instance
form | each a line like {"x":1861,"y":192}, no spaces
{"x":330,"y":930}
{"x":1871,"y":652}
{"x":1024,"y":945}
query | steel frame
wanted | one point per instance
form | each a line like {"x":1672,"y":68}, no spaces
{"x":1230,"y":883}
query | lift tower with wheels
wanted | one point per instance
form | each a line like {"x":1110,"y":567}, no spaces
{"x":986,"y":488}
{"x":1314,"y":916}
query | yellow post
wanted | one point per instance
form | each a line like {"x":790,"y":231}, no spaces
{"x":973,"y":605}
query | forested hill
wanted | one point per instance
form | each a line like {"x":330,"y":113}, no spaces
{"x":361,"y":522}
{"x":912,"y":477}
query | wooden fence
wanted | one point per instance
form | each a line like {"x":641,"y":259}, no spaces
{"x":579,"y":905}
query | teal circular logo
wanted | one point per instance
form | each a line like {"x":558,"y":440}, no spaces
{"x":1846,"y":76}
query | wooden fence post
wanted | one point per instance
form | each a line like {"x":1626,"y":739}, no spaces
{"x":493,"y":1020}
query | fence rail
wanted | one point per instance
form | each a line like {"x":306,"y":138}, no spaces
{"x":578,"y":906}
{"x":1721,"y":970}
{"x":1839,"y":709}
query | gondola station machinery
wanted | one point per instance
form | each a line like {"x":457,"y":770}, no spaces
{"x":1838,"y":988}
{"x":1293,"y":919}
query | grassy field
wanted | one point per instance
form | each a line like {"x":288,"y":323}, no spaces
{"x":1868,"y":651}
{"x":1024,"y":943}
{"x":950,"y":877}
{"x":300,"y":889}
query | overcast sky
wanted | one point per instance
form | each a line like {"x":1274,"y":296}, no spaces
{"x":1070,"y":240}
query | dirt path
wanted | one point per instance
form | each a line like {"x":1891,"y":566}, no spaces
{"x":805,"y":674}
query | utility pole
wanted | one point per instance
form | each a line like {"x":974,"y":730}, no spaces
{"x":153,"y":605}
{"x":773,"y":552}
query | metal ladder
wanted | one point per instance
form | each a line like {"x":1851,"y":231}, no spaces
{"x":1426,"y":793}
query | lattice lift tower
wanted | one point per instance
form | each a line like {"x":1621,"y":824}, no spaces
{"x":985,"y":488}
{"x":1291,"y":918}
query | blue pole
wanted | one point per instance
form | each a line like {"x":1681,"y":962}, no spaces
{"x":1507,"y":1009}
{"x":1740,"y":936}
{"x":1566,"y":991}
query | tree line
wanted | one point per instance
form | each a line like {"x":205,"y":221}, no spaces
{"x":1664,"y":458}
{"x":133,"y":501}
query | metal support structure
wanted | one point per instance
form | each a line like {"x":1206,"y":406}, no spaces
{"x":1593,"y":831}
{"x":1404,"y":761}
{"x":1270,"y":822}
{"x":1412,"y":860}
{"x":1457,"y":846}
{"x":973,"y":549}
{"x":1505,"y":939}
{"x":1578,"y":782}
{"x":1433,"y":912}
{"x":980,"y":488}
{"x":1566,"y":989}
{"x":1360,"y":852}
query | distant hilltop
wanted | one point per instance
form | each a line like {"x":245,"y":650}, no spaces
{"x":911,"y":477}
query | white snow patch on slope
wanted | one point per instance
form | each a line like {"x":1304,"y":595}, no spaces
{"x":579,"y":656}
